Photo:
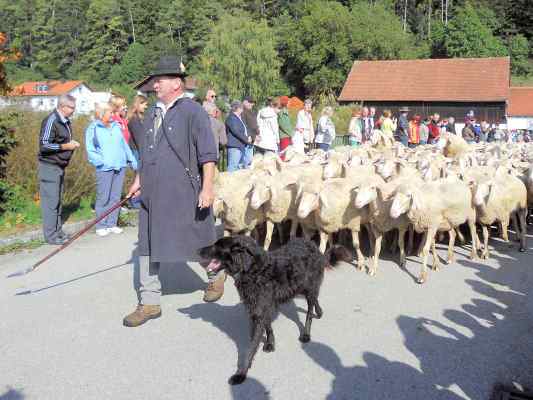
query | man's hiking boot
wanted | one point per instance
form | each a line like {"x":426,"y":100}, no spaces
{"x":215,"y":288}
{"x":141,"y":315}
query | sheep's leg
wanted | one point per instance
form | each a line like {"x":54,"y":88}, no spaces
{"x":410,"y":243}
{"x":323,"y":241}
{"x":401,"y":245}
{"x":422,"y":244}
{"x":505,"y":227}
{"x":227,"y":233}
{"x":394,"y":243}
{"x":281,"y":235}
{"x":460,"y":235}
{"x":360,"y":257}
{"x":475,"y":239}
{"x":429,"y":238}
{"x":522,"y":214}
{"x":294,"y":227}
{"x":371,"y":237}
{"x":485,"y":253}
{"x":436,"y":259}
{"x":515,"y":227}
{"x":451,"y":244}
{"x":377,"y":250}
{"x":268,"y":236}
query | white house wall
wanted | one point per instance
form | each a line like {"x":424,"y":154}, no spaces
{"x":520,"y":123}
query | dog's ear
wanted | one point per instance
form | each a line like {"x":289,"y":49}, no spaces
{"x":257,"y":253}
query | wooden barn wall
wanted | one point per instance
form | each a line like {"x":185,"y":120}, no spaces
{"x":491,"y":112}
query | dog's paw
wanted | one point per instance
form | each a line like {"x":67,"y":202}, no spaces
{"x":268,"y":347}
{"x":304,"y":338}
{"x":237,"y":379}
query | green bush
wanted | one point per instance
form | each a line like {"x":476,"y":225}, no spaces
{"x":7,"y":143}
{"x":22,"y":162}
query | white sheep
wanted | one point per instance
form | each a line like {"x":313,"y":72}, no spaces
{"x":435,"y":206}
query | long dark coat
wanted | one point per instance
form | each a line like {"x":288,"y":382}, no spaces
{"x":171,"y":226}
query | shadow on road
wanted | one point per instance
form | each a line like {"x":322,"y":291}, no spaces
{"x":11,"y":394}
{"x":233,"y":321}
{"x":487,"y":341}
{"x":67,"y":282}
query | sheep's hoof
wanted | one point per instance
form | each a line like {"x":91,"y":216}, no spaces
{"x":421,"y":280}
{"x":450,"y":260}
{"x":371,"y":272}
{"x":403,"y":264}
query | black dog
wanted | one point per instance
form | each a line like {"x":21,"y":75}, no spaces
{"x":266,"y":279}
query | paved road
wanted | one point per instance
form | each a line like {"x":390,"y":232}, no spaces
{"x":468,"y":328}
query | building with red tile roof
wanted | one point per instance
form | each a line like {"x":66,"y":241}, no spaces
{"x":520,"y":108}
{"x":43,"y":95}
{"x":450,"y":87}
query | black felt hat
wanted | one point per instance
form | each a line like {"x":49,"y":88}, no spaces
{"x":169,"y":65}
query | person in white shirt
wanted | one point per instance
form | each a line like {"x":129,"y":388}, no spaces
{"x":304,"y":134}
{"x":267,"y":122}
{"x":325,"y":134}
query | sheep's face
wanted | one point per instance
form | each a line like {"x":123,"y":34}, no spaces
{"x":332,"y":170}
{"x":260,"y":195}
{"x":365,"y":195}
{"x":385,"y":169}
{"x":481,"y":193}
{"x":309,"y":202}
{"x":401,"y":204}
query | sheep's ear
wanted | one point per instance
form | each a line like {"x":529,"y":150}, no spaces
{"x":273,"y":191}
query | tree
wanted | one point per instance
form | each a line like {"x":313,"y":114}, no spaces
{"x":240,"y":58}
{"x":469,"y":35}
{"x":106,"y":39}
{"x":133,"y":66}
{"x":519,"y":52}
{"x":320,"y":47}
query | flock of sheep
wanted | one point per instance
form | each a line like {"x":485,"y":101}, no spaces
{"x":384,"y":186}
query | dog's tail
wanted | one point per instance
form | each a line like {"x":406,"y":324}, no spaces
{"x":337,"y":253}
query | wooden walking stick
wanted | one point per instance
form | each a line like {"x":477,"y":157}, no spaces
{"x":68,"y":242}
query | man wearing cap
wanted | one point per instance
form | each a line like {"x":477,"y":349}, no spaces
{"x":239,"y":141}
{"x":175,"y":183}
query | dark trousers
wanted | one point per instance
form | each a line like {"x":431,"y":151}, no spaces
{"x":51,"y":182}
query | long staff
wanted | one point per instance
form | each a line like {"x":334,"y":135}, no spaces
{"x":68,"y":242}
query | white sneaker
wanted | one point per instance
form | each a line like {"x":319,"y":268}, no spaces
{"x":115,"y":229}
{"x":103,"y":232}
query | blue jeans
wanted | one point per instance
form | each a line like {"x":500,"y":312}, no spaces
{"x":236,"y":158}
{"x":248,"y":155}
{"x":323,"y":146}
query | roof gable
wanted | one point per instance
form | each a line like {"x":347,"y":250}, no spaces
{"x":455,"y":79}
{"x":520,"y":102}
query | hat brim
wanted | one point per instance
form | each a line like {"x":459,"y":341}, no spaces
{"x":169,"y":72}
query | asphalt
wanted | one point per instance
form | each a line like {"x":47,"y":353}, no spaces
{"x":468,"y":329}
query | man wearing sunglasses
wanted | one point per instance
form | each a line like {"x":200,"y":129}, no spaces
{"x":210,"y":98}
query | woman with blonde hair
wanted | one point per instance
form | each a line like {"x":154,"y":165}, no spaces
{"x":109,"y":153}
{"x":136,"y":120}
{"x":325,"y":134}
{"x":119,"y":113}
